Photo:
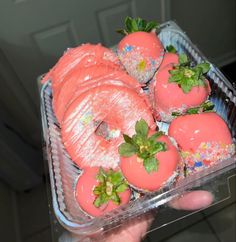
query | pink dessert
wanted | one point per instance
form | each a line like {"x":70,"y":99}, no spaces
{"x":84,"y":55}
{"x":153,"y":164}
{"x":79,"y":80}
{"x":169,"y":97}
{"x":94,"y":122}
{"x":169,"y":59}
{"x":203,"y":138}
{"x":97,"y":193}
{"x":140,"y":51}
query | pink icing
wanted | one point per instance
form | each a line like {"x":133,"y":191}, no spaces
{"x":84,"y":55}
{"x":79,"y":80}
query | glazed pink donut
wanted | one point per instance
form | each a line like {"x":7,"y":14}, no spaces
{"x":79,"y":80}
{"x":94,"y":123}
{"x":84,"y":55}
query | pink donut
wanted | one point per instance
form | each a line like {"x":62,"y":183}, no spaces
{"x":79,"y":80}
{"x":94,"y":122}
{"x":84,"y":55}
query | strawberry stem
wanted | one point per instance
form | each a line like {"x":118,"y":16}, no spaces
{"x":186,"y":76}
{"x":145,"y":147}
{"x":207,"y":106}
{"x":111,"y":183}
{"x":137,"y":24}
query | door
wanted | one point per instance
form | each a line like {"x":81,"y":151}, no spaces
{"x":33,"y":35}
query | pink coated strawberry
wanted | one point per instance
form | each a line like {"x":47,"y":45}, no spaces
{"x":176,"y":88}
{"x":170,"y":58}
{"x":148,"y":160}
{"x":140,"y":51}
{"x":99,"y":191}
{"x":203,"y":138}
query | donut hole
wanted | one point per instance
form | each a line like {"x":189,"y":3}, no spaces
{"x":106,"y":131}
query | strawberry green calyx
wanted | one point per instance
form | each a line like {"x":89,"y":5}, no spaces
{"x":188,"y":77}
{"x":111,"y":183}
{"x":143,"y":146}
{"x":207,"y":106}
{"x":171,"y":49}
{"x":137,"y":24}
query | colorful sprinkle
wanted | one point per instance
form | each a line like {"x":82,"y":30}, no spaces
{"x":141,"y":65}
{"x":207,"y":154}
{"x":128,"y":48}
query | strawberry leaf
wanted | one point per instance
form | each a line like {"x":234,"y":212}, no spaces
{"x":127,"y":149}
{"x":156,"y":135}
{"x":128,"y":24}
{"x":143,"y":146}
{"x":134,"y":25}
{"x":127,"y":139}
{"x":207,"y":106}
{"x":205,"y":67}
{"x":141,"y":23}
{"x":141,"y":128}
{"x":171,"y":49}
{"x":150,"y":26}
{"x":137,"y":24}
{"x":121,"y":188}
{"x":121,"y":31}
{"x":150,"y":164}
{"x":109,"y":187}
{"x":115,"y":198}
{"x":183,"y":59}
{"x":186,"y":76}
{"x":98,"y":202}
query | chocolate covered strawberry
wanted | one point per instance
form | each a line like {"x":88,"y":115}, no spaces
{"x":99,"y":191}
{"x":203,"y":139}
{"x":170,"y":58}
{"x":179,"y":87}
{"x":140,"y":51}
{"x":148,"y":160}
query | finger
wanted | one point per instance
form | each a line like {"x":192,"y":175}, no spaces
{"x":193,"y":200}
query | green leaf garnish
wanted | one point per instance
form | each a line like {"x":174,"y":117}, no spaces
{"x":127,"y":149}
{"x":171,"y":49}
{"x":141,"y":128}
{"x":143,"y":146}
{"x":111,"y":183}
{"x":207,"y":106}
{"x":137,"y":24}
{"x":186,"y":76}
{"x":183,"y":59}
{"x":151,"y":164}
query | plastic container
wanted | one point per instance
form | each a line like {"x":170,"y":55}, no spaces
{"x":64,"y":174}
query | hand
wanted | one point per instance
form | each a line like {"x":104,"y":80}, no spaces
{"x":134,"y":231}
